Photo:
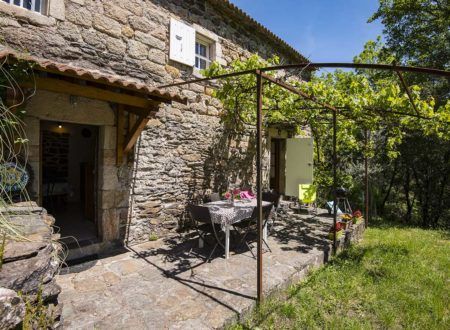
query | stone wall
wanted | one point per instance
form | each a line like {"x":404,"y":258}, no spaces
{"x":184,"y":149}
{"x":29,"y":266}
{"x":128,"y":38}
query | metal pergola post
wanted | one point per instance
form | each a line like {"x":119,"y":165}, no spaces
{"x":334,"y":181}
{"x":259,"y":261}
{"x":366,"y":179}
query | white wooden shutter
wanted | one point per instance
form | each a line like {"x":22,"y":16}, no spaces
{"x":299,"y":164}
{"x":182,"y":43}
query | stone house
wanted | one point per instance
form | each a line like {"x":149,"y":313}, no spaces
{"x":105,"y":144}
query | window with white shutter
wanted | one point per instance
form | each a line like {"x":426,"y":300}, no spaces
{"x":182,"y":43}
{"x":188,"y":46}
{"x":38,"y":6}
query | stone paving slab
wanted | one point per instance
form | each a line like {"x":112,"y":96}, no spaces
{"x":161,"y":285}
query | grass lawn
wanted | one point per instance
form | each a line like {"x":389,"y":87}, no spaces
{"x":395,"y":278}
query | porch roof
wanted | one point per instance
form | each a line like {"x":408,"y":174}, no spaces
{"x":95,"y":76}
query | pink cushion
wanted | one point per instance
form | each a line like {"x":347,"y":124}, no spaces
{"x":247,"y":195}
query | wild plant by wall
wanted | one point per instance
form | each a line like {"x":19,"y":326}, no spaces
{"x":13,"y":145}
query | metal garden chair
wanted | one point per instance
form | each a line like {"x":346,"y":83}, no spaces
{"x":274,"y":198}
{"x":245,"y":227}
{"x":204,"y":226}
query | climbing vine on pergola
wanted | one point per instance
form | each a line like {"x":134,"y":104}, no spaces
{"x":364,"y":104}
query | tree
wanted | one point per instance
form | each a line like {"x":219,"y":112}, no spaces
{"x":418,"y":33}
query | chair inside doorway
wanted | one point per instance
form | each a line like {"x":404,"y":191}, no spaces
{"x":69,"y":179}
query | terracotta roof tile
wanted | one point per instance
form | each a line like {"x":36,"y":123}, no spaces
{"x":91,"y":75}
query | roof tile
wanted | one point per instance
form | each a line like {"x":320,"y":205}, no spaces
{"x":92,"y":75}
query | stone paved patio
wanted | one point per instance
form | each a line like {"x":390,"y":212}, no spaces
{"x":160,"y":285}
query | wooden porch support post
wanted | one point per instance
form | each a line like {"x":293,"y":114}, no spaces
{"x":134,"y":133}
{"x":137,"y":126}
{"x":120,"y":137}
{"x":259,"y":261}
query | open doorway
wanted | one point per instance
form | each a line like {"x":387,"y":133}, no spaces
{"x":69,"y":179}
{"x":277,"y":147}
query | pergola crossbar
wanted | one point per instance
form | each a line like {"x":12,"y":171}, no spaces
{"x":315,"y":66}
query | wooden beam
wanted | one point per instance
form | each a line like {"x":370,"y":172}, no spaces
{"x":62,"y":86}
{"x":137,"y":112}
{"x":134,"y":133}
{"x":120,"y":134}
{"x":161,"y":98}
{"x":131,"y":121}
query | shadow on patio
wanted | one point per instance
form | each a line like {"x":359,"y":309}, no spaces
{"x":164,"y":284}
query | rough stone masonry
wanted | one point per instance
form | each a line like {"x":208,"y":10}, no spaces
{"x":184,"y":149}
{"x":30,"y":264}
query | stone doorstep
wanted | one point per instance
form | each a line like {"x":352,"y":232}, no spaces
{"x":103,"y":249}
{"x":300,"y":274}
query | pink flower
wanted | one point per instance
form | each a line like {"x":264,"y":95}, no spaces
{"x":357,"y":214}
{"x":227,"y":195}
{"x":236,"y":191}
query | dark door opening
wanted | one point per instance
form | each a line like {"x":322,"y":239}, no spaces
{"x":69,"y":179}
{"x":276,"y":164}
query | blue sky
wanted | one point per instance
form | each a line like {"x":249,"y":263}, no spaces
{"x":322,"y":30}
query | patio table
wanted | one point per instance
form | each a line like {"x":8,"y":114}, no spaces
{"x":226,"y":214}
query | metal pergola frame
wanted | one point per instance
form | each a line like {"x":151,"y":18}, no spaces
{"x":260,"y":77}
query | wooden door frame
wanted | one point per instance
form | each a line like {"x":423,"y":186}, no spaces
{"x":278,"y":142}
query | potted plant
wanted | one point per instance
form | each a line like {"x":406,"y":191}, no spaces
{"x":339,"y":231}
{"x":357,"y":217}
{"x":345,"y":220}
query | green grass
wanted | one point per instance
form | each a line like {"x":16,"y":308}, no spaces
{"x":395,"y":278}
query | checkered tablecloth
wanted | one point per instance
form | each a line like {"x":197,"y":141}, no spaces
{"x":226,"y":213}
